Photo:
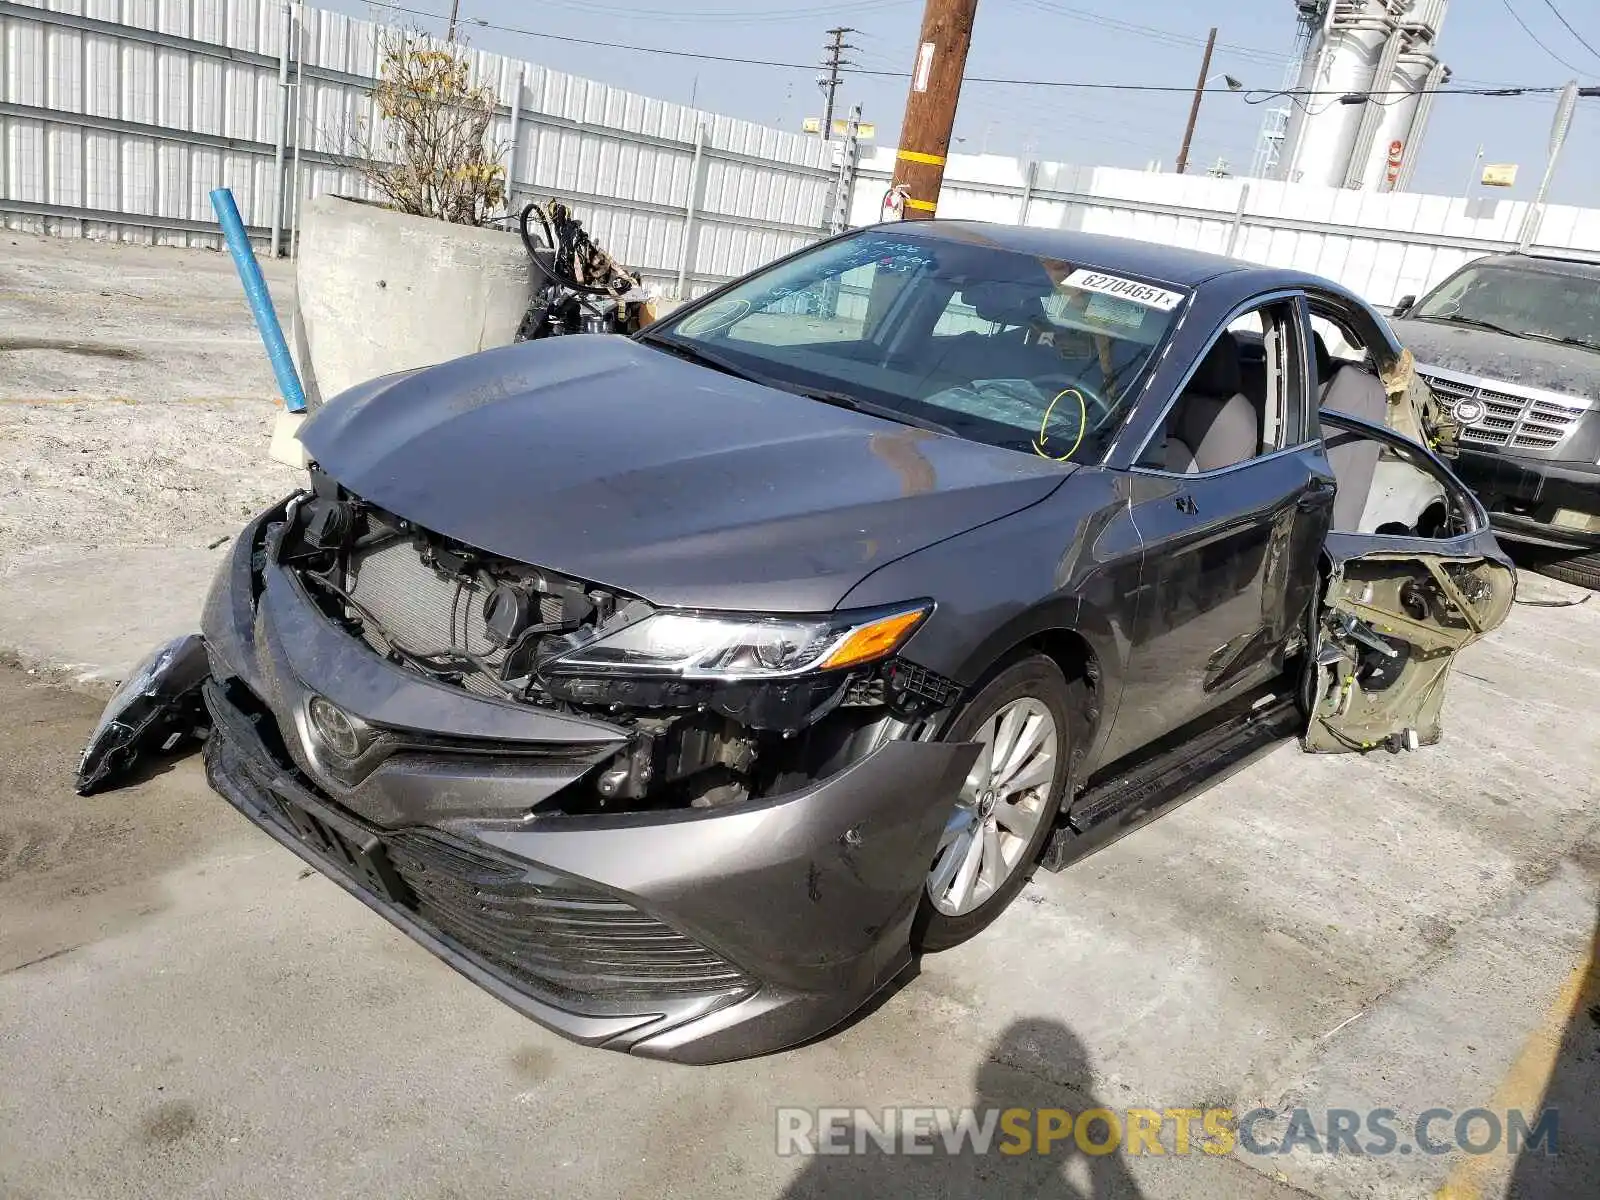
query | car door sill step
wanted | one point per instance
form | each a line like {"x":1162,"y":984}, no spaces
{"x":1126,"y":800}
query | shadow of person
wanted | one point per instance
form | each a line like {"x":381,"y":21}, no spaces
{"x":1572,"y":1093}
{"x":1037,"y":1064}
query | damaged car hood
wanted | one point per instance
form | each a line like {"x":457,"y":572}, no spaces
{"x":1569,"y":370}
{"x":617,"y":463}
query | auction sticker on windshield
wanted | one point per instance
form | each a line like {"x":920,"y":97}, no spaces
{"x":1124,"y":289}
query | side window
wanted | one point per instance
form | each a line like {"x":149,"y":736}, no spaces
{"x":1340,"y":356}
{"x":961,"y":316}
{"x":1247,"y":396}
{"x":1338,"y":342}
{"x":1346,"y":368}
{"x":1388,"y":492}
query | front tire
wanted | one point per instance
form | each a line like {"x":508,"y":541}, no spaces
{"x":1007,"y":806}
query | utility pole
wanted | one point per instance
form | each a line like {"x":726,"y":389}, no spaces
{"x":1194,"y":109}
{"x":1477,"y":173}
{"x":1558,"y":138}
{"x":843,"y":186}
{"x":455,"y":12}
{"x":278,"y":198}
{"x":936,"y":76}
{"x":832,"y":64}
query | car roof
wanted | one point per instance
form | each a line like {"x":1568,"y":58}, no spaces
{"x":1548,"y":264}
{"x":1151,"y":260}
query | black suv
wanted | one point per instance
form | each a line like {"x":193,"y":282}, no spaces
{"x":1512,"y":344}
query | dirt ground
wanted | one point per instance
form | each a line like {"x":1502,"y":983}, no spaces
{"x":136,"y":408}
{"x":136,"y":403}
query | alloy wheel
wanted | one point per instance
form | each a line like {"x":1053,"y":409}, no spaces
{"x":998,"y":810}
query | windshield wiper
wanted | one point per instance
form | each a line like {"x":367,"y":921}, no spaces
{"x":1563,"y":340}
{"x":696,"y":355}
{"x":856,"y":404}
{"x":822,"y":395}
{"x":1458,"y":319}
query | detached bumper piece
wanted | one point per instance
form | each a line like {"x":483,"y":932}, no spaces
{"x":156,"y":709}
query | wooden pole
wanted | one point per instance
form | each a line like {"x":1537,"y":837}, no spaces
{"x":1194,"y":109}
{"x":936,"y":75}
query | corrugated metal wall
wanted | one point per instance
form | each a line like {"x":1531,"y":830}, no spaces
{"x":117,"y":118}
{"x":1381,"y":245}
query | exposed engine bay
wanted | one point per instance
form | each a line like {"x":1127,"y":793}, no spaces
{"x":508,"y":631}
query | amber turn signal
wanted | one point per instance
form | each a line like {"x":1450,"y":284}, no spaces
{"x":874,"y":641}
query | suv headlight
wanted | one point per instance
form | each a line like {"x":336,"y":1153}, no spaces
{"x":737,"y":646}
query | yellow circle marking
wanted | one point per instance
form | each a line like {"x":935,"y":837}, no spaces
{"x":1044,"y":425}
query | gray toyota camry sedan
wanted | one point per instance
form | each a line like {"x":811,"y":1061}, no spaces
{"x":681,"y":690}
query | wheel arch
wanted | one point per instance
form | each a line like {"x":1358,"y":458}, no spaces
{"x":1078,"y":639}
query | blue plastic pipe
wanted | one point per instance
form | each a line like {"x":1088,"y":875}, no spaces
{"x":255,"y":291}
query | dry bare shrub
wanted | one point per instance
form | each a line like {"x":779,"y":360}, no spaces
{"x":430,"y":153}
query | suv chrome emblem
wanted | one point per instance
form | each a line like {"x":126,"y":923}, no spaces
{"x":1469,"y":410}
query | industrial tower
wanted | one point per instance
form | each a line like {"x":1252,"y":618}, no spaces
{"x":1370,"y":71}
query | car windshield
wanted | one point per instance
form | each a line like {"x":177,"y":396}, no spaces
{"x":1540,"y":304}
{"x":1032,"y":354}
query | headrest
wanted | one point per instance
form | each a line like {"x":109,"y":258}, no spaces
{"x":1324,"y":359}
{"x":1006,"y":303}
{"x":1218,"y":373}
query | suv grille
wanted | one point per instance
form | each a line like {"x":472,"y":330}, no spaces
{"x":1518,"y":422}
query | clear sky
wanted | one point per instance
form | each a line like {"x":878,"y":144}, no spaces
{"x":1150,"y":41}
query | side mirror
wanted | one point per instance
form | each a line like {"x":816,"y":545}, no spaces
{"x":1404,"y":306}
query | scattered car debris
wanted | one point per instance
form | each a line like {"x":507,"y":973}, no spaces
{"x":156,"y":710}
{"x":583,"y":289}
{"x":1581,"y":600}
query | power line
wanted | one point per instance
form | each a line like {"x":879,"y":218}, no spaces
{"x":1581,"y":41}
{"x":1169,"y":37}
{"x":1252,"y":96}
{"x":743,"y":15}
{"x":1527,"y":30}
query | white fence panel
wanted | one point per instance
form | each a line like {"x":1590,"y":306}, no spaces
{"x":1383,"y":246}
{"x":117,"y":119}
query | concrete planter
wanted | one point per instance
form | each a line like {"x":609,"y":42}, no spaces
{"x":379,"y":291}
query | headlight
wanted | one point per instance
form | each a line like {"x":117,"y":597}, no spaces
{"x":729,"y":646}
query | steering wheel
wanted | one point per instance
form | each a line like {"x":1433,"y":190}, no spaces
{"x":1094,"y":413}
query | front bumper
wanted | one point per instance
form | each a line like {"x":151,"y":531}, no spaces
{"x":1535,"y":500}
{"x":697,"y":935}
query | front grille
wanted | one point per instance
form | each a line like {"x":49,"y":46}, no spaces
{"x":1515,"y":422}
{"x":426,"y":612}
{"x":564,"y":938}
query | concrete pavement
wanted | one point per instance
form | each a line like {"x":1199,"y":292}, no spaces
{"x":185,"y":1011}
